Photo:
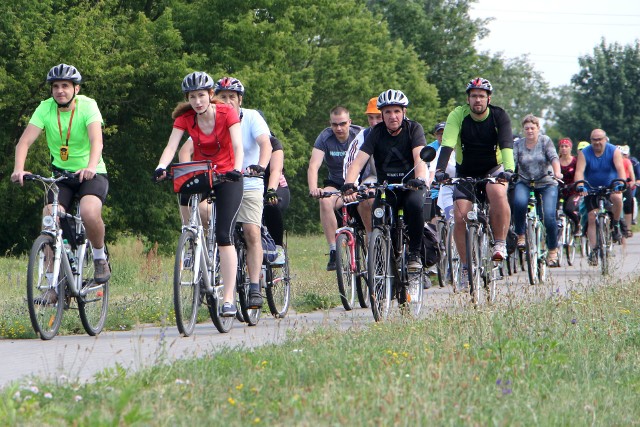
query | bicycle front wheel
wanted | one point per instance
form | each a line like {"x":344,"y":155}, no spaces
{"x":45,"y":300}
{"x":249,"y":315}
{"x":379,"y":275}
{"x":531,"y":253}
{"x":279,"y":287}
{"x":563,"y":238}
{"x":541,"y":239}
{"x":186,"y":286}
{"x":603,"y":229}
{"x":215,"y":300}
{"x":443,"y":262}
{"x":361,"y":270}
{"x":474,"y":263}
{"x":346,"y":275}
{"x":94,"y":297}
{"x":570,"y":245}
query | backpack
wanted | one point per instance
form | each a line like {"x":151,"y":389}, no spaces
{"x":270,"y":252}
{"x":430,"y":250}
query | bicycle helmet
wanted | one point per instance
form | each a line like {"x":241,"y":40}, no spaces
{"x":392,"y":97}
{"x":439,"y":126}
{"x":480,"y":83}
{"x":197,"y":80}
{"x":583,"y":144}
{"x":229,"y":83}
{"x":64,"y":72}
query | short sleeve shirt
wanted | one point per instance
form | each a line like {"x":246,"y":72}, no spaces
{"x":334,"y":151}
{"x":535,"y":162}
{"x":252,"y":125}
{"x":79,"y":147}
{"x":215,"y":146}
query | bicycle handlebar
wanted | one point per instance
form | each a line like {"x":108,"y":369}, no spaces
{"x":601,"y":188}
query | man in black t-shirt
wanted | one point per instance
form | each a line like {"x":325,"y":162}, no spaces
{"x":395,"y":145}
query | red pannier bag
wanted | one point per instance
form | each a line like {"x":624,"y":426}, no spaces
{"x":193,"y":177}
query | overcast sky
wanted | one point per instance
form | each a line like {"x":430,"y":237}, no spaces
{"x":556,"y":32}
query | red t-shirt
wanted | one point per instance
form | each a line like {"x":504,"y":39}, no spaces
{"x":215,"y":146}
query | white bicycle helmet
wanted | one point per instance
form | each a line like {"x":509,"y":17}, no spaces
{"x":64,"y":72}
{"x":197,"y":80}
{"x":392,"y":97}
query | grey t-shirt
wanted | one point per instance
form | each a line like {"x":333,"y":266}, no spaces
{"x":334,"y":151}
{"x":535,"y":162}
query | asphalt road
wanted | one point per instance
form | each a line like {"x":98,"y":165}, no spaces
{"x":81,"y":357}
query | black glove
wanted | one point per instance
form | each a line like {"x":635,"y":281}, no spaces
{"x":416,"y":183}
{"x":158,"y":174}
{"x":505,"y":176}
{"x":255,"y":170}
{"x":271,"y":197}
{"x":441,"y":176}
{"x":233,"y":175}
{"x":348,"y":188}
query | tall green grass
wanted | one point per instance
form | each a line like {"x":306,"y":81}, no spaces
{"x":142,"y":287}
{"x":560,"y":361}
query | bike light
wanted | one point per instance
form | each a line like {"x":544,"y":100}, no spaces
{"x":47,"y":221}
{"x":378,"y":212}
{"x":472,"y":215}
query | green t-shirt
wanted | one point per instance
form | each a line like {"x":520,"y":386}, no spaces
{"x":86,"y":112}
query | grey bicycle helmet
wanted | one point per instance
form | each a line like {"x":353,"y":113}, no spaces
{"x":64,"y":72}
{"x":480,"y":83}
{"x":229,"y":83}
{"x":392,"y":97}
{"x":198,"y":80}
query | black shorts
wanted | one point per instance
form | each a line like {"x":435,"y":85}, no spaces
{"x":591,"y":203}
{"x":70,"y":189}
{"x":330,"y":183}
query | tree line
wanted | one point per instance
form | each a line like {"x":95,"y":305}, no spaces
{"x":297,"y":60}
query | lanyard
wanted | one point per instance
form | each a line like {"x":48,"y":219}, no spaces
{"x":69,"y":128}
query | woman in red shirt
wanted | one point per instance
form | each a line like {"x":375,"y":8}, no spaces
{"x":215,"y":130}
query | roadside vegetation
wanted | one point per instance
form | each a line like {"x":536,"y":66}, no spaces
{"x":561,"y":361}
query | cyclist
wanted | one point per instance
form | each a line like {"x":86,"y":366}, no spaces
{"x":627,"y":196}
{"x":599,"y":164}
{"x":482,"y":138}
{"x":73,"y":129}
{"x":330,"y":147}
{"x":276,"y":193}
{"x":438,"y":130}
{"x":443,"y":196}
{"x":215,"y":130}
{"x":257,"y":152}
{"x":368,"y":173}
{"x":535,"y":156}
{"x":395,"y":144}
{"x":569,"y":194}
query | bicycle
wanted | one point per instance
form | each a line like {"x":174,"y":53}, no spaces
{"x":478,"y":240}
{"x":61,"y":261}
{"x":604,"y":240}
{"x":535,"y":236}
{"x":386,"y":281}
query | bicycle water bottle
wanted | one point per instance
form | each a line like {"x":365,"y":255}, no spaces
{"x":70,"y":256}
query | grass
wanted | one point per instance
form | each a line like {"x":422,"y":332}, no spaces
{"x":142,"y":289}
{"x":560,"y":361}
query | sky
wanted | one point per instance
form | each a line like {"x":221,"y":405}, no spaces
{"x":555,"y":33}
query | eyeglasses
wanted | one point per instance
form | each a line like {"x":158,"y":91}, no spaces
{"x":339,"y":125}
{"x":599,"y":139}
{"x":480,"y":97}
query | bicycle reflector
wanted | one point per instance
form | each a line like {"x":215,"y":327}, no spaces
{"x":378,"y":212}
{"x":472,"y":215}
{"x":47,"y":221}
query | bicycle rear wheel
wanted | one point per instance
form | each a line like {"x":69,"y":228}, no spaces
{"x":279,"y":287}
{"x":346,"y":275}
{"x":531,"y":253}
{"x":474,"y":263}
{"x":570,"y":243}
{"x":361,"y":270}
{"x":45,"y":317}
{"x":453,"y":259}
{"x":94,"y":297}
{"x":443,"y":262}
{"x":250,"y":316}
{"x":186,"y":287}
{"x":379,"y":275}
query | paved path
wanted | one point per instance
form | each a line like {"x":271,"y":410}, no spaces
{"x":81,"y":357}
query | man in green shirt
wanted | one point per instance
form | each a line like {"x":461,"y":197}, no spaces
{"x":73,"y":129}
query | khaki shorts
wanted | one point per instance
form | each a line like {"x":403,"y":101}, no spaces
{"x":251,"y":208}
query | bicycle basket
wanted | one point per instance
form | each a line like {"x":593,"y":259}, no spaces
{"x":193,"y":177}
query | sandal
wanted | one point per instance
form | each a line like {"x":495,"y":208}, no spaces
{"x":552,"y":258}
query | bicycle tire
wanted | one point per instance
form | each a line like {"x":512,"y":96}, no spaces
{"x":488,"y":276}
{"x":453,"y":259}
{"x":563,"y":238}
{"x":251,"y":316}
{"x":186,"y":287}
{"x":93,"y":301}
{"x":443,"y":262}
{"x":345,"y":274}
{"x":215,"y":300}
{"x":279,"y":287}
{"x":570,"y":246}
{"x":531,"y":254}
{"x":474,"y":261}
{"x":45,"y":318}
{"x":603,"y":235}
{"x":380,"y":280}
{"x":362,"y":290}
{"x":541,"y":236}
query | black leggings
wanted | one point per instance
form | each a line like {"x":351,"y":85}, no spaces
{"x":273,"y":216}
{"x":228,"y":199}
{"x":412,"y":202}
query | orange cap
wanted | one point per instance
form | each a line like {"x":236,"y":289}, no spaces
{"x":372,"y":107}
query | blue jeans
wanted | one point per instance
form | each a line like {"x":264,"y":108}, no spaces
{"x":549,"y":195}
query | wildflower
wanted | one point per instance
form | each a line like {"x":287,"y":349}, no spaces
{"x":48,"y":395}
{"x":466,"y":345}
{"x":231,"y":401}
{"x":33,"y":389}
{"x":179,"y":381}
{"x":239,"y":387}
{"x":506,"y":391}
{"x":574,"y":321}
{"x":16,"y":395}
{"x":498,"y":381}
{"x":256,"y":420}
{"x":77,"y":398}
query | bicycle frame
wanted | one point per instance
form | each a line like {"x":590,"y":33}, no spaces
{"x":201,"y":257}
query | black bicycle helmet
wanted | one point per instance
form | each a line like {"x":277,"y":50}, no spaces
{"x":198,"y":80}
{"x":64,"y":72}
